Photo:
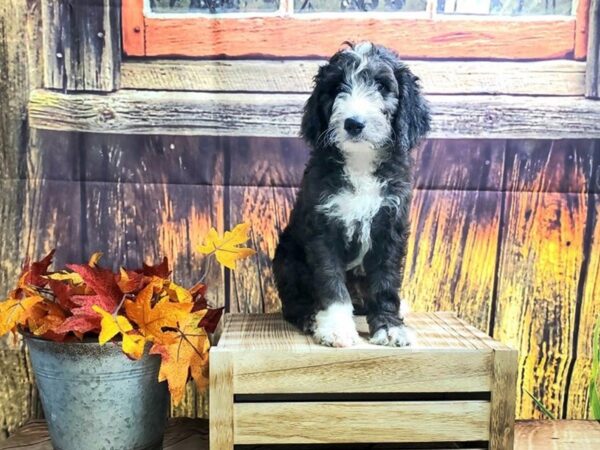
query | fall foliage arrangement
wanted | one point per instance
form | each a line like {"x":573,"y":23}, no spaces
{"x":137,"y":308}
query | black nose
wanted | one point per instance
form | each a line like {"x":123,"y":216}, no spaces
{"x":354,"y":126}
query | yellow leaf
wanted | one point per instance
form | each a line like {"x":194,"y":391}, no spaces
{"x":15,"y":312}
{"x":178,"y":293}
{"x":110,"y":326}
{"x":133,"y":345}
{"x":227,"y":248}
{"x":73,"y":277}
{"x":93,"y":262}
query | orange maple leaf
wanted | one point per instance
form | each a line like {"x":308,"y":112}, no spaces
{"x":44,"y":317}
{"x":15,"y":312}
{"x":151,"y":320}
{"x":188,"y":353}
{"x":227,"y":248}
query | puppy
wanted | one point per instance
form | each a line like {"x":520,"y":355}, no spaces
{"x":347,"y":234}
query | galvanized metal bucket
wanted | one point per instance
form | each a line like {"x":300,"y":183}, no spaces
{"x":95,"y":398}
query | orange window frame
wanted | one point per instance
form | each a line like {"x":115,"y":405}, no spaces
{"x":415,"y":36}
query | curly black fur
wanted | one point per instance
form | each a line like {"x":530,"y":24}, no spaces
{"x":311,"y":260}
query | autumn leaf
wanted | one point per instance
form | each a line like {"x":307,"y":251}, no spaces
{"x":151,"y":320}
{"x":187,"y":354}
{"x":178,"y":293}
{"x":63,"y":293}
{"x":43,"y":318}
{"x":129,"y":281}
{"x":111,"y":325}
{"x":160,"y":270}
{"x":73,"y":277}
{"x":34,"y":272}
{"x":210,"y":321}
{"x":227,"y":248}
{"x":84,"y":318}
{"x":101,"y":281}
{"x":15,"y":312}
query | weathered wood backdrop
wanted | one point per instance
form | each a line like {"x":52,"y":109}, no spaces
{"x":505,"y":232}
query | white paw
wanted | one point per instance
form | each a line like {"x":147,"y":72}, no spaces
{"x":335,"y":326}
{"x":401,"y":336}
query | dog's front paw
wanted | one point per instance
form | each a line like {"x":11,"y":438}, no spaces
{"x":337,"y":338}
{"x":335,"y":326}
{"x":396,"y":336}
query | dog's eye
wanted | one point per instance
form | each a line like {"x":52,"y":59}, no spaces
{"x":381,"y":87}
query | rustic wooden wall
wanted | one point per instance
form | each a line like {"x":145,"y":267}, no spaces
{"x":504,"y":232}
{"x":21,"y":195}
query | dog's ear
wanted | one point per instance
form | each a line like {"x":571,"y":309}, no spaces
{"x":312,"y":121}
{"x":412,"y":119}
{"x":317,"y":109}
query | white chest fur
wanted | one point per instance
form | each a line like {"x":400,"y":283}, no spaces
{"x":356,"y":206}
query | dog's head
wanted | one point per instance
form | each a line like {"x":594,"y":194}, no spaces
{"x":365,"y":95}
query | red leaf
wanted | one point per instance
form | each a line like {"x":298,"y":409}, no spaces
{"x":84,"y":318}
{"x":36,"y":270}
{"x":160,"y":270}
{"x":79,"y":324}
{"x":63,"y":294}
{"x":198,"y":292}
{"x":102,"y":282}
{"x":210,"y":321}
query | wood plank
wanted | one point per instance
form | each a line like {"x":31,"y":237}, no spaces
{"x":356,"y":422}
{"x":592,"y":76}
{"x":544,"y":165}
{"x":267,"y":209}
{"x":82,"y":44}
{"x":221,"y":401}
{"x":552,"y":78}
{"x":581,"y":29}
{"x":579,"y":382}
{"x":442,"y":164}
{"x":502,"y":416}
{"x":557,"y":435}
{"x":168,"y":159}
{"x":257,"y":161}
{"x":133,"y":28}
{"x":408,"y":370}
{"x":451,"y":260}
{"x":541,"y":255}
{"x":19,"y":160}
{"x":279,"y":115}
{"x":445,"y":37}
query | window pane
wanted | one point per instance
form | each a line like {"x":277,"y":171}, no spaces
{"x":506,"y":7}
{"x":359,"y":5}
{"x":496,"y":7}
{"x":213,"y":6}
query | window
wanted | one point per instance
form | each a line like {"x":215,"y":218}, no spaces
{"x":451,"y":29}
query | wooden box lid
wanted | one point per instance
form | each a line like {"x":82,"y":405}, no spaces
{"x":433,"y":331}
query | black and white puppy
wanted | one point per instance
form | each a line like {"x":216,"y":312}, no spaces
{"x":347,"y":235}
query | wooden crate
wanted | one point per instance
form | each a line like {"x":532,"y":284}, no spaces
{"x":271,"y":384}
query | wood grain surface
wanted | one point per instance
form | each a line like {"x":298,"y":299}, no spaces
{"x":279,"y":115}
{"x":443,"y":37}
{"x":358,"y":422}
{"x":188,"y":434}
{"x":592,"y":76}
{"x":82,"y":44}
{"x":20,"y":164}
{"x":552,"y":78}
